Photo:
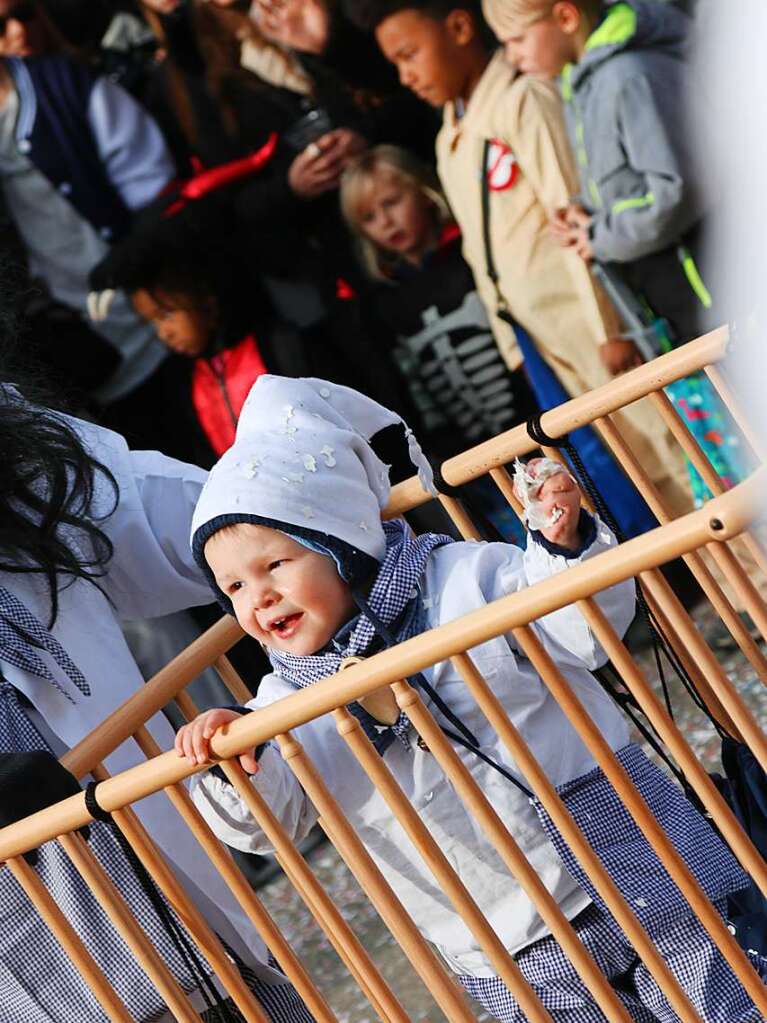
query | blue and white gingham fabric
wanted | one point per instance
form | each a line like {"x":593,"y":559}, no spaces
{"x":393,"y":598}
{"x":38,"y":983}
{"x":22,"y":635}
{"x":632,"y":864}
{"x":695,"y":961}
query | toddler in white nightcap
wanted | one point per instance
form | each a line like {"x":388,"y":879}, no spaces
{"x":288,"y":530}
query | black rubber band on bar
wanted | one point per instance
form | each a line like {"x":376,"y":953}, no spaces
{"x":536,"y":432}
{"x":443,"y":486}
{"x":92,"y":806}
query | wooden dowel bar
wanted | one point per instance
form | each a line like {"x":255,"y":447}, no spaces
{"x":612,"y":438}
{"x":724,"y":690}
{"x":346,"y":944}
{"x":646,"y":822}
{"x":688,"y":662}
{"x":443,"y":989}
{"x":755,"y":549}
{"x":735,"y":574}
{"x":151,"y":698}
{"x":502,"y":479}
{"x":222,"y":860}
{"x":113,"y":904}
{"x":636,"y":682}
{"x":446,"y":756}
{"x":186,"y":705}
{"x":724,"y":391}
{"x":340,"y":935}
{"x":259,"y":917}
{"x":231,"y":679}
{"x":704,"y":468}
{"x":191,"y":918}
{"x":350,"y":730}
{"x":69,"y":940}
{"x":459,"y":517}
{"x":552,"y":803}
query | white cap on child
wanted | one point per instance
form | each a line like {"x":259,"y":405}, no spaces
{"x":301,"y":457}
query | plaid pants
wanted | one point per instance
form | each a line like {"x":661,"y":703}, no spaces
{"x":692,"y":957}
{"x":281,"y":1002}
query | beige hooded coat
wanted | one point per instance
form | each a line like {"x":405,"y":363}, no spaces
{"x":549,"y":289}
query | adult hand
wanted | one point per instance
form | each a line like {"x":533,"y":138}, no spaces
{"x":318,"y":168}
{"x":560,"y":497}
{"x":302,"y":25}
{"x":619,"y":355}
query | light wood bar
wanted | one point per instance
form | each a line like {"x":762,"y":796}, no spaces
{"x":151,"y":698}
{"x":714,"y":593}
{"x":348,"y":947}
{"x":115,"y":907}
{"x":410,"y":702}
{"x":635,"y":805}
{"x":442,"y":987}
{"x":724,"y":391}
{"x":459,"y":517}
{"x":709,"y":795}
{"x":351,"y":732}
{"x":223,"y":861}
{"x":69,"y":940}
{"x":204,"y":936}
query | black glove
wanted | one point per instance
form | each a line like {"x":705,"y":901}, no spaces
{"x":30,"y":782}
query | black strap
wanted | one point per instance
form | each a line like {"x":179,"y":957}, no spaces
{"x":92,"y":806}
{"x":216,"y":1005}
{"x":660,"y":642}
{"x":464,"y":737}
{"x":536,"y":432}
{"x":502,"y":309}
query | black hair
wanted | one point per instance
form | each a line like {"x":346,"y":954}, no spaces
{"x":49,"y":524}
{"x":194,"y":255}
{"x":368,"y":14}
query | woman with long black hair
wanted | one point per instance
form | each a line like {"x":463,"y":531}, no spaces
{"x":92,"y":533}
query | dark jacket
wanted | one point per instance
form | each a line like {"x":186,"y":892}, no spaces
{"x":54,"y":132}
{"x":432,"y":324}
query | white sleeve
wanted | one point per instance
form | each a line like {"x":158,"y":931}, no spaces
{"x":565,"y":633}
{"x":152,"y":571}
{"x":130,"y":144}
{"x":229,"y":818}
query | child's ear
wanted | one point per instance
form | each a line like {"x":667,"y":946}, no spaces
{"x":567,"y":16}
{"x":461,"y":26}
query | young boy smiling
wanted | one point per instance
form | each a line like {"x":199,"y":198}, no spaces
{"x":509,"y":128}
{"x":288,"y":531}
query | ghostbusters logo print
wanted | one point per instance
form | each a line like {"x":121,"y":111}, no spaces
{"x":502,"y":168}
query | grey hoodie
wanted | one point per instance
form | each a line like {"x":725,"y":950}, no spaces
{"x":627,"y":120}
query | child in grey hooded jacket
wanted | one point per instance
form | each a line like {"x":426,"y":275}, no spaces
{"x":288,"y":531}
{"x":624,"y":85}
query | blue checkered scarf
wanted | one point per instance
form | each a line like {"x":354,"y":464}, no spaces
{"x":22,"y":635}
{"x":394,"y":599}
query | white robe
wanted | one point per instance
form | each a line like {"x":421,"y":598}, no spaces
{"x":151,"y":573}
{"x":459,"y":578}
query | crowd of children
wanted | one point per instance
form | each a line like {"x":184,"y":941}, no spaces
{"x":463,"y":212}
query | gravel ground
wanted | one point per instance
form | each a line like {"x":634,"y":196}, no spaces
{"x":326,"y":969}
